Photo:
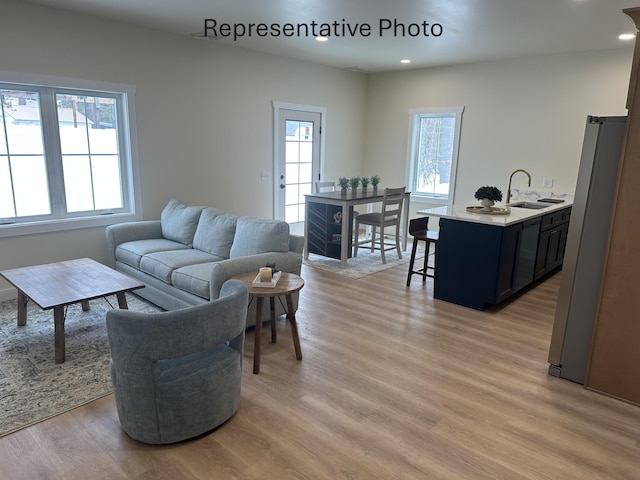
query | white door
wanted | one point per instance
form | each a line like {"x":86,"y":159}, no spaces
{"x":298,"y":158}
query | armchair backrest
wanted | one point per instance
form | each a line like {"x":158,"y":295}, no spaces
{"x":146,"y":337}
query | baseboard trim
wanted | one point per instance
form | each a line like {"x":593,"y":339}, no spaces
{"x":8,"y":294}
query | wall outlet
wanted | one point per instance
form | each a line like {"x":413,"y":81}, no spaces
{"x":265,"y":176}
{"x":547,"y":182}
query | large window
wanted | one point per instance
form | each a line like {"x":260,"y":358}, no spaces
{"x":433,"y":153}
{"x":66,"y":157}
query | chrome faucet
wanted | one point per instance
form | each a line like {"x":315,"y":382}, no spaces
{"x":511,"y":176}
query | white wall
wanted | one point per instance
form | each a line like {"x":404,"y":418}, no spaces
{"x":204,"y":113}
{"x":528,"y":113}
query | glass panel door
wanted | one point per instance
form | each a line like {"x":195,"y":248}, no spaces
{"x":299,"y":163}
{"x":298,"y":157}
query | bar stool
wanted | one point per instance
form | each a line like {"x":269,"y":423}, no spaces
{"x":390,"y":216}
{"x":419,"y":230}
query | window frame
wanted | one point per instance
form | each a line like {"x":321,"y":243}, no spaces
{"x":58,"y":219}
{"x":415,"y":114}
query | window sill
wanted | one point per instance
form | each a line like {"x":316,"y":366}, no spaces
{"x":48,"y":226}
{"x":429,"y":200}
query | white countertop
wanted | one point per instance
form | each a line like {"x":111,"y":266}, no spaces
{"x":459,"y":212}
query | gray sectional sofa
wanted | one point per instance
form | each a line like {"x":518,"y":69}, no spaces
{"x":186,"y":256}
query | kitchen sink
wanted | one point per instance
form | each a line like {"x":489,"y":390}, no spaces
{"x":532,"y":205}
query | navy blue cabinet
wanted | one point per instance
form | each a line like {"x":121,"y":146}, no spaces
{"x":324,"y":229}
{"x":552,"y":242}
{"x":481,"y":264}
{"x":476,"y":262}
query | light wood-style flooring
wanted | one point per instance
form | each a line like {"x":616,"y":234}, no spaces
{"x":392,"y":385}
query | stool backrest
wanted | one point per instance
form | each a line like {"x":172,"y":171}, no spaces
{"x":418,"y":225}
{"x":392,"y":204}
{"x":325,"y":187}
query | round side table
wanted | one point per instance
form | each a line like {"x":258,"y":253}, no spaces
{"x":287,"y":285}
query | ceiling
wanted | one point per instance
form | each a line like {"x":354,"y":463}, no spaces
{"x":472,"y":30}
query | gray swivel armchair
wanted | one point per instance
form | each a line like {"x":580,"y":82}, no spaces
{"x":177,"y":374}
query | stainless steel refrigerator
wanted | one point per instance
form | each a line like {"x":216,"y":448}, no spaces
{"x":586,"y":247}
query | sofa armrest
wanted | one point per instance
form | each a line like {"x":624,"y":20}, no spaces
{"x":225,"y":269}
{"x":296,"y":243}
{"x":128,"y":232}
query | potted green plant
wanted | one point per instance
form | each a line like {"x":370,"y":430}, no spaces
{"x":375,"y":180}
{"x":364,"y":181}
{"x":343,"y":183}
{"x":354,"y":182}
{"x":488,"y":196}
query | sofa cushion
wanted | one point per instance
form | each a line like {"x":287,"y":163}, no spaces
{"x":194,"y":279}
{"x":179,"y":221}
{"x":131,"y":252}
{"x":215,"y":232}
{"x":162,"y":264}
{"x":259,"y":235}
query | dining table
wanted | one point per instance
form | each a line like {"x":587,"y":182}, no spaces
{"x":345,"y":201}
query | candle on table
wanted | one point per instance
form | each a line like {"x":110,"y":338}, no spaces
{"x":265,"y":274}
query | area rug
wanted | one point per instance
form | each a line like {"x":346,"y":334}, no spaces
{"x":366,"y":263}
{"x":32,"y":387}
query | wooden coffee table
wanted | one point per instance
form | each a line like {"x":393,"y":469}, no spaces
{"x":288,"y":284}
{"x":56,"y":285}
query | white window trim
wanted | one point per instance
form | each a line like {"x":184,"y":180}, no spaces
{"x":131,"y":143}
{"x":411,"y":146}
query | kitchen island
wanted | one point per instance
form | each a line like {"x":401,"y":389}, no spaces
{"x":483,"y":259}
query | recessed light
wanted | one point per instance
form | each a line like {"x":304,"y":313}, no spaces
{"x":627,"y":36}
{"x":405,"y":60}
{"x":322,"y":39}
